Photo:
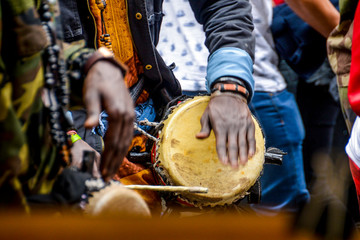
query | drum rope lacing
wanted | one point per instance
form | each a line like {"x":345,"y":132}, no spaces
{"x":156,"y":125}
{"x":137,"y":128}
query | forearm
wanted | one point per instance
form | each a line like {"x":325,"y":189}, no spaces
{"x":320,"y":14}
{"x":227,"y":23}
{"x":228,"y":27}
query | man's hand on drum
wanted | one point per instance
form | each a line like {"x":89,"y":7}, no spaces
{"x":229,"y":116}
{"x":104,"y":88}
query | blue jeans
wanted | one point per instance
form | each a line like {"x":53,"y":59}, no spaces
{"x":283,"y":187}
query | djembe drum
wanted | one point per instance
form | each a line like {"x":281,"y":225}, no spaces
{"x":180,"y":159}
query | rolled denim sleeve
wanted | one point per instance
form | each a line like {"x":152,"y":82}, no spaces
{"x":230,"y":62}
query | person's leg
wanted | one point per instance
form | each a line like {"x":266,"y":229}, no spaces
{"x":319,"y":112}
{"x":355,"y":172}
{"x":283,"y":187}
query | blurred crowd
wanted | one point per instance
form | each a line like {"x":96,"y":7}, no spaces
{"x":85,"y":87}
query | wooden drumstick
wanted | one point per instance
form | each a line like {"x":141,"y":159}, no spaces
{"x":168,"y":188}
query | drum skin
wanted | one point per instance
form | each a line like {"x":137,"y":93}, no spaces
{"x":187,"y":161}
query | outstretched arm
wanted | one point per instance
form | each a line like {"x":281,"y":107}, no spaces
{"x":228,"y":28}
{"x":319,"y":14}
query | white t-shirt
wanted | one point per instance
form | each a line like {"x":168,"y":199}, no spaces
{"x":182,"y":41}
{"x":353,"y":146}
{"x":266,"y":73}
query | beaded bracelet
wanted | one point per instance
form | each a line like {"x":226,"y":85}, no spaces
{"x":74,"y":136}
{"x":231,"y":87}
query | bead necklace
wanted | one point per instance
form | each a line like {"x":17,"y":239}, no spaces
{"x":56,"y":85}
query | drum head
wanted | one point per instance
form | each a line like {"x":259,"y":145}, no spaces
{"x":189,"y":161}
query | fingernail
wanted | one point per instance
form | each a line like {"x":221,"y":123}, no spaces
{"x":251,"y":153}
{"x":243,"y":161}
{"x":200,"y":135}
{"x":234,"y":165}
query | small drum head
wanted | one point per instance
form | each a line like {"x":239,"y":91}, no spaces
{"x":188,"y":161}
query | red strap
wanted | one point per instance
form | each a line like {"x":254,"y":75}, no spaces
{"x":278,"y":2}
{"x":354,"y":81}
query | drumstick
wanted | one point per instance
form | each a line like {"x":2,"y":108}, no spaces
{"x":97,"y":184}
{"x":168,"y":188}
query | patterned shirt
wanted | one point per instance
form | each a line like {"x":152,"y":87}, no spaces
{"x":182,"y":40}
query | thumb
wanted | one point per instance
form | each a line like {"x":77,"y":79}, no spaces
{"x":93,"y":107}
{"x":205,"y":126}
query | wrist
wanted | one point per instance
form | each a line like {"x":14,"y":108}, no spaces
{"x":103,"y":54}
{"x":230,"y":89}
{"x":229,"y":80}
{"x":228,"y":94}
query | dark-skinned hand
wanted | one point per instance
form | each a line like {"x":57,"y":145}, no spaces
{"x":104,"y":88}
{"x":77,"y":152}
{"x":229,"y":116}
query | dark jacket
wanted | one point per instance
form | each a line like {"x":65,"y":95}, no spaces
{"x":296,"y":41}
{"x":227,"y":23}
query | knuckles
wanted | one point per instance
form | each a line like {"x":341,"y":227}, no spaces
{"x":118,"y":113}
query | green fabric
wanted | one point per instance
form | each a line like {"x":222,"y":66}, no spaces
{"x":21,"y":117}
{"x":347,"y":9}
{"x":339,"y":46}
{"x":19,"y":6}
{"x":29,"y":162}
